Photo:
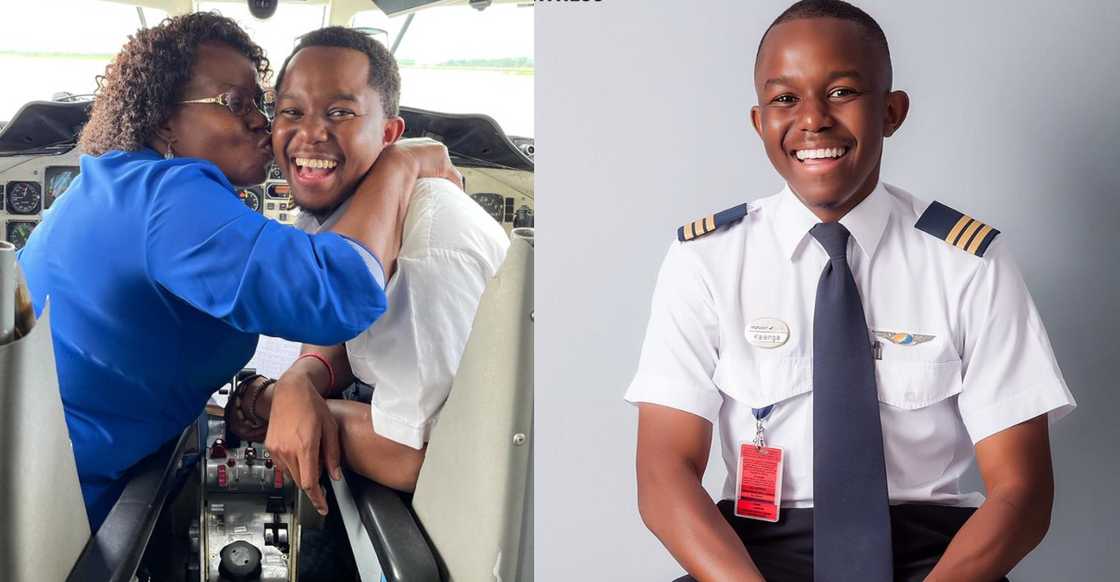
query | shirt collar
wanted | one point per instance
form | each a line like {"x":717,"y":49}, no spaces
{"x":867,"y":221}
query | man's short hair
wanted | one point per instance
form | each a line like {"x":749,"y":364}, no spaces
{"x":833,"y":9}
{"x":384,"y":76}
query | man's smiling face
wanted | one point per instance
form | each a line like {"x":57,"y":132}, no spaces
{"x":330,"y":126}
{"x":824,"y":107}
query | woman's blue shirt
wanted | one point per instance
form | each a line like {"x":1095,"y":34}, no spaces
{"x":159,"y":281}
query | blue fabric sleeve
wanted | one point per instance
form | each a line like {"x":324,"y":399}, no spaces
{"x":372,"y":262}
{"x":207,"y":248}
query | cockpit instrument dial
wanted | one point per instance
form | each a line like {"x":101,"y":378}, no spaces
{"x":274,"y":172}
{"x":279,"y":191}
{"x":24,"y":197}
{"x":57,"y":179}
{"x":251,"y":197}
{"x":493,"y":204}
{"x":17,"y":232}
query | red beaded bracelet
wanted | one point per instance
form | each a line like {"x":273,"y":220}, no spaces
{"x":330,"y":370}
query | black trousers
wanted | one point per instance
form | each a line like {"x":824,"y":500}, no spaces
{"x":783,"y":551}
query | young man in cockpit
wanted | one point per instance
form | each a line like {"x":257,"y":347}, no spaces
{"x":337,"y":97}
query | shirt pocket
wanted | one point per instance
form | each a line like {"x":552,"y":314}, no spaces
{"x":784,"y":382}
{"x":921,"y":425}
{"x":915,"y":384}
{"x":761,"y":382}
{"x":911,"y":376}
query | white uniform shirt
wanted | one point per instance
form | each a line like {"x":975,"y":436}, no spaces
{"x":988,"y":366}
{"x":450,"y":250}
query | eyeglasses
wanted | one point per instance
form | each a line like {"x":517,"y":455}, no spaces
{"x":240,"y":101}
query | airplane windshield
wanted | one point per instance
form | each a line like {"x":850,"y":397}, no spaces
{"x":454,"y":59}
{"x":457,"y":59}
{"x":52,"y":47}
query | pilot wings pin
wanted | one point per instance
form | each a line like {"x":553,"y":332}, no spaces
{"x":902,"y":338}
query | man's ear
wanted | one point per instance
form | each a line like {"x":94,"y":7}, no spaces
{"x":756,"y":120}
{"x":898,"y":105}
{"x":394,"y":128}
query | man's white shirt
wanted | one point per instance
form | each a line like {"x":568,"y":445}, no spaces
{"x":450,"y":250}
{"x":987,"y":366}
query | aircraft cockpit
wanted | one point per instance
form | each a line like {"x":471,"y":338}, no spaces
{"x":209,"y":505}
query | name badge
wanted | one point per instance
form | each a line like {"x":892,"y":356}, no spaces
{"x":760,"y":482}
{"x":767,"y":332}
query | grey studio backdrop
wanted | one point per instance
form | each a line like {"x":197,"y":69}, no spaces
{"x":642,"y":122}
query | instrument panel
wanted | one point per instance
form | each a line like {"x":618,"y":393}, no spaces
{"x":24,"y":186}
{"x":506,"y":195}
{"x":278,"y":203}
{"x":57,"y":180}
{"x":29,"y":186}
{"x":23,"y":197}
{"x":17,"y":231}
{"x":493,"y":203}
{"x":251,"y":197}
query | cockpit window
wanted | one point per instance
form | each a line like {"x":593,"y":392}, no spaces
{"x":457,"y":59}
{"x":276,"y":35}
{"x":51,"y":48}
{"x":454,"y":59}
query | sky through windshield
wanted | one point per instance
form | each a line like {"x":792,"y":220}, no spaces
{"x":454,"y":59}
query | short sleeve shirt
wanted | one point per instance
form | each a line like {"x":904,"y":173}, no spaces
{"x":450,"y":249}
{"x":983,"y":362}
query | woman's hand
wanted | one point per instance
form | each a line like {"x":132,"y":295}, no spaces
{"x":428,"y":156}
{"x":301,"y":430}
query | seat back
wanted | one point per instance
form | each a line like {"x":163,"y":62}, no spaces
{"x":472,"y":497}
{"x":44,"y":518}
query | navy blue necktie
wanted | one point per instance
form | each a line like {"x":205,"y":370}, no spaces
{"x":851,"y":516}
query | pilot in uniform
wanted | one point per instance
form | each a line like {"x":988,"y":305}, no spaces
{"x":958,"y":352}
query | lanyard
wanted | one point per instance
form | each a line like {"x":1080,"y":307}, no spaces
{"x":760,"y":415}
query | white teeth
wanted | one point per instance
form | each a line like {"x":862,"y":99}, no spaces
{"x":821,"y":153}
{"x":315,"y":163}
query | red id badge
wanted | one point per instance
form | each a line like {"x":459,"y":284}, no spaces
{"x":760,"y":482}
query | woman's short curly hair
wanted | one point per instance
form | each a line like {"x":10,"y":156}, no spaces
{"x":144,"y":81}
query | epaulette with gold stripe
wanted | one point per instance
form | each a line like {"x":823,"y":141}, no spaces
{"x":711,"y":223}
{"x":958,"y":229}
